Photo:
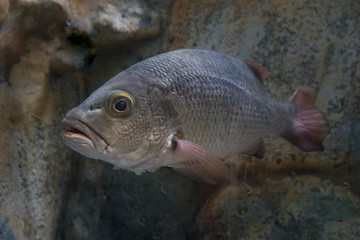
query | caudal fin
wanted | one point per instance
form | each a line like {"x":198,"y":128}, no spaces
{"x":309,"y":125}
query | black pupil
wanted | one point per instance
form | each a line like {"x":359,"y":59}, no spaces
{"x":120,"y":105}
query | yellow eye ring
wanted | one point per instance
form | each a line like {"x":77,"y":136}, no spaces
{"x":120,"y":103}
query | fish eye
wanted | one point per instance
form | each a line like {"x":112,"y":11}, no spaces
{"x":120,"y":103}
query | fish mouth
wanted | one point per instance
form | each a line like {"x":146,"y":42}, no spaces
{"x":81,"y":134}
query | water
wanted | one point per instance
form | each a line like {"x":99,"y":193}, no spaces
{"x":55,"y":53}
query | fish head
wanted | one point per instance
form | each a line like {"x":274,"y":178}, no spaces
{"x":126,"y":122}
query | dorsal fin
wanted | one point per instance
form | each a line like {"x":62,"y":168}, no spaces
{"x":260,"y":71}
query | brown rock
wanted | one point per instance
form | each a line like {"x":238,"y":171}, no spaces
{"x":40,"y":19}
{"x":112,"y":23}
{"x":4,"y":8}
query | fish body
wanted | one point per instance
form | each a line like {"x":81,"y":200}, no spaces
{"x":189,"y":109}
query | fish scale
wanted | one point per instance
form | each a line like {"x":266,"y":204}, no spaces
{"x":226,"y":84}
{"x":232,"y":120}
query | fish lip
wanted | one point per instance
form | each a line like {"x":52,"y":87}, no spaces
{"x":84,"y":131}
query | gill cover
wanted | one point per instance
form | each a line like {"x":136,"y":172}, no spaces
{"x":167,"y":110}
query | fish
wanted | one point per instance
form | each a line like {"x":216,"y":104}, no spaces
{"x":190,"y":110}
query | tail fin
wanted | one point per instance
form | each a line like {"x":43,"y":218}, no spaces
{"x":309,"y":125}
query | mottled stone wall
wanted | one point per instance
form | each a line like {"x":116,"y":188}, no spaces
{"x":289,"y":194}
{"x":53,"y":53}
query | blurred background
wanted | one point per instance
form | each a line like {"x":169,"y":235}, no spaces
{"x":54,"y":53}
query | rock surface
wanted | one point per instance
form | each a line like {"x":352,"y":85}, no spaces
{"x":304,"y":207}
{"x":53,"y":53}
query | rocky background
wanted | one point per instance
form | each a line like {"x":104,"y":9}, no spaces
{"x":53,"y":53}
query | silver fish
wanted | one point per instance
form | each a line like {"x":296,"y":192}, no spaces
{"x":189,"y":110}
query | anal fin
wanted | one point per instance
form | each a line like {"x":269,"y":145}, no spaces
{"x":195,"y":162}
{"x":257,"y":149}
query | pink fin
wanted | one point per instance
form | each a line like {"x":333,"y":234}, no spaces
{"x":309,"y":125}
{"x":195,"y":162}
{"x":257,"y":149}
{"x":260,"y":71}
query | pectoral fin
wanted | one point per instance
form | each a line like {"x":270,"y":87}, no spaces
{"x":195,"y":162}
